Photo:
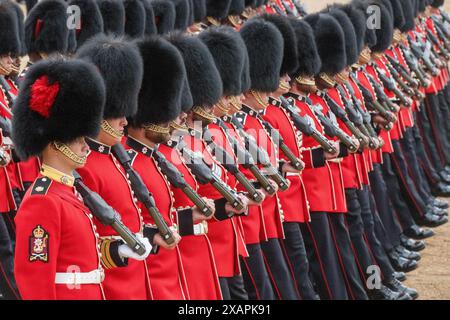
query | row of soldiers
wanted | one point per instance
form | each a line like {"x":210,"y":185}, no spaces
{"x":183,"y":149}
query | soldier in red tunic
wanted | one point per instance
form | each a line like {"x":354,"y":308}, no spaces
{"x":57,"y":247}
{"x":121,"y":67}
{"x":9,"y":46}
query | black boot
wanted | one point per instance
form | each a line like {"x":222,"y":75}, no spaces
{"x":401,"y":264}
{"x":441,"y":189}
{"x":398,"y":287}
{"x":437,"y":211}
{"x":405,"y":253}
{"x":439,"y":203}
{"x":431,"y":220}
{"x":418,"y":233}
{"x":400,"y":276}
{"x":384,"y":293}
{"x":411,"y":244}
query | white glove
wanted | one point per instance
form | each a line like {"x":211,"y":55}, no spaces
{"x":126,"y":252}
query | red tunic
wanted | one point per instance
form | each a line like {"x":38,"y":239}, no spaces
{"x":294,"y":200}
{"x":318,"y":180}
{"x":271,"y":206}
{"x":202,"y":282}
{"x":68,"y":243}
{"x":165,"y":270}
{"x":225,"y":239}
{"x":103,"y":174}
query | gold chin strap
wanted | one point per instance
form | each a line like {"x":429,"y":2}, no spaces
{"x":222,"y":107}
{"x":258,"y":98}
{"x":341,"y":77}
{"x":4,"y":70}
{"x":377,"y":55}
{"x":157,"y":129}
{"x":235,"y":20}
{"x":325,"y":77}
{"x":203,"y":113}
{"x":213,"y":21}
{"x":178,"y":127}
{"x":397,"y":36}
{"x":57,"y":175}
{"x":110,"y":130}
{"x":305,"y":81}
{"x":235,"y":103}
{"x":365,"y":57}
{"x":65,"y":150}
{"x":284,"y":85}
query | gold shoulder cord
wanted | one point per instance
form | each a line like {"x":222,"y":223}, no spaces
{"x":65,"y":150}
{"x":110,"y":130}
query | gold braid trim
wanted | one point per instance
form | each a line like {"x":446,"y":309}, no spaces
{"x":65,"y":150}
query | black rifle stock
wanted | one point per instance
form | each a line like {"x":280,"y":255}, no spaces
{"x":306,"y":127}
{"x":204,"y":175}
{"x":177,"y":181}
{"x":142,"y":194}
{"x":107,"y":215}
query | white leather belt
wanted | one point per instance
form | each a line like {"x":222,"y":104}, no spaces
{"x":292,"y":174}
{"x":75,"y":278}
{"x":200,"y":228}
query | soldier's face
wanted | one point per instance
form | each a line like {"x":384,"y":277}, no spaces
{"x":6,"y":64}
{"x":118,"y":124}
{"x":158,"y":137}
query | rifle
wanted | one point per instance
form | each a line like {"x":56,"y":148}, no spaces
{"x":401,"y":69}
{"x":366,"y":127}
{"x":229,"y":164}
{"x":261,"y":156}
{"x":379,"y":91}
{"x":354,"y":125}
{"x":204,"y":175}
{"x":374,"y":104}
{"x":409,"y":91}
{"x":141,"y":192}
{"x":177,"y":181}
{"x":333,"y":130}
{"x":417,"y":51}
{"x":246,"y":160}
{"x":107,"y":215}
{"x":306,"y":127}
{"x":413,"y":64}
{"x":276,"y":137}
{"x":442,"y":49}
{"x":390,"y":85}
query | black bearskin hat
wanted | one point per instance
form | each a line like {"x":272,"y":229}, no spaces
{"x":358,"y":19}
{"x":150,"y":26}
{"x":351,"y":45}
{"x":399,"y":16}
{"x":224,"y":45}
{"x":164,"y":15}
{"x":58,"y":101}
{"x":330,"y":41}
{"x":9,"y":33}
{"x":437,"y":3}
{"x":46,"y":27}
{"x":120,"y":64}
{"x":199,"y":8}
{"x":218,"y":8}
{"x":91,"y":21}
{"x":181,"y":14}
{"x":265,"y":50}
{"x":386,"y":31}
{"x":19,"y":18}
{"x":113,"y":13}
{"x":134,"y":18}
{"x":308,"y":56}
{"x":204,"y":78}
{"x":408,"y":13}
{"x":236,"y":7}
{"x":162,"y":84}
{"x":290,"y":52}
